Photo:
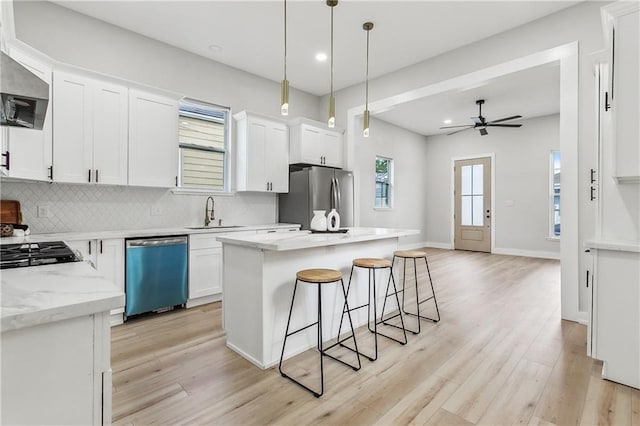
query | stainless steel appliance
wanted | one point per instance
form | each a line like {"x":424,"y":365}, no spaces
{"x":24,"y":96}
{"x":317,"y":188}
{"x":156,"y":274}
{"x":33,"y":254}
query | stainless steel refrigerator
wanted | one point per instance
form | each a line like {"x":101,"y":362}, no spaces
{"x":317,"y":188}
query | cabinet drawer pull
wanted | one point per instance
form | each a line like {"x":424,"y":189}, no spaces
{"x":50,"y":175}
{"x":89,"y":247}
{"x":100,"y":246}
{"x":97,"y":176}
{"x":89,"y":176}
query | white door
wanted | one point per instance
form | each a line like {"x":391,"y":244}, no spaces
{"x":72,"y":129}
{"x":256,"y":140}
{"x":311,"y":145}
{"x":30,"y":150}
{"x":332,"y":149}
{"x":110,"y":127}
{"x":153,"y":140}
{"x":473,"y":204}
{"x":276,"y":158}
{"x":205,"y":272}
{"x":110,"y":255}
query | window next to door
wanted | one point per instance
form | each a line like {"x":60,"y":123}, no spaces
{"x":384,"y":183}
{"x":203,"y":134}
{"x":554,"y":195}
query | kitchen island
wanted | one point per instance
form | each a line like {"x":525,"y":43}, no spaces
{"x":56,"y":348}
{"x":259,"y":275}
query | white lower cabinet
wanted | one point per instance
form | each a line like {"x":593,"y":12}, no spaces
{"x":107,"y":256}
{"x":615,"y":315}
{"x":205,"y":269}
{"x":58,"y":373}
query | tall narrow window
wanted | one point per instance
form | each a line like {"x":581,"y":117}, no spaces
{"x":384,"y":182}
{"x":472,"y":196}
{"x":554,"y":195}
{"x":203,"y":143}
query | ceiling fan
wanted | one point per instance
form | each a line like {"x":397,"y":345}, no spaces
{"x":481,"y":123}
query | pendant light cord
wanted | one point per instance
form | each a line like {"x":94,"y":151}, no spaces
{"x":332,"y":51}
{"x":285,"y":39}
{"x":366,"y":90}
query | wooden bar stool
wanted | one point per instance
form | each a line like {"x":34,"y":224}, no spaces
{"x":319,"y":277}
{"x":373,"y":264}
{"x":415,"y":254}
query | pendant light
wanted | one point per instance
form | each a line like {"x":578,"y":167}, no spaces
{"x":367,"y":26}
{"x":331,"y":122}
{"x":284,"y":86}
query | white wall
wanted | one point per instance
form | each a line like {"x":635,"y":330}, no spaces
{"x":408,"y":151}
{"x":82,"y":41}
{"x":521,"y":192}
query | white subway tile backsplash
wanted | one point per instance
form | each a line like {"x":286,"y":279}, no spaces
{"x":98,"y":208}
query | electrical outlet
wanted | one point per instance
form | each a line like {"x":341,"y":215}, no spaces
{"x":156,"y":211}
{"x":44,"y":211}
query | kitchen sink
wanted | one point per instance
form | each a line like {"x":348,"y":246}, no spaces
{"x":214,"y":227}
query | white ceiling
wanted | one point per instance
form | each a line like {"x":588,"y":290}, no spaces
{"x":250,"y":33}
{"x":530,"y":93}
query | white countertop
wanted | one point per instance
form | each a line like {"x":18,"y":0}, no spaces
{"x":48,"y":293}
{"x":134,"y":233}
{"x":629,"y":246}
{"x":305,"y":239}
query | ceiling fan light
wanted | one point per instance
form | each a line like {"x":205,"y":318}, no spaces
{"x":365,"y":124}
{"x":284,"y":97}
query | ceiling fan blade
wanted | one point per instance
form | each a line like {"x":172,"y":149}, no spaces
{"x":477,"y":120}
{"x":453,"y":127}
{"x":513,"y":117}
{"x":458,"y":131}
{"x":483,"y":131}
{"x":504,"y":125}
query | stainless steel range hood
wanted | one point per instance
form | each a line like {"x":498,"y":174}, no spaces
{"x":24,"y":95}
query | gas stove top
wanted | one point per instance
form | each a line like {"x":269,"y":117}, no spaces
{"x":33,"y":254}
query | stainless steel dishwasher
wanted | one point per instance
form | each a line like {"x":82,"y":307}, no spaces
{"x":156,"y":274}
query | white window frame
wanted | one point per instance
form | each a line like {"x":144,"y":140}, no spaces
{"x":552,"y":236}
{"x":226,"y":189}
{"x":390,"y":190}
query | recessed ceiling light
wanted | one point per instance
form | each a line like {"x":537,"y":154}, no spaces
{"x":447,"y":121}
{"x":215,"y":48}
{"x":321,"y":57}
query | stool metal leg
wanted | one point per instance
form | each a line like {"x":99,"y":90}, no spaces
{"x":321,"y":351}
{"x":419,"y":302}
{"x":384,"y":320}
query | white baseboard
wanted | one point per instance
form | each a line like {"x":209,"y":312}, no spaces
{"x":246,"y":356}
{"x":191,"y":303}
{"x":527,"y":253}
{"x":434,"y":244}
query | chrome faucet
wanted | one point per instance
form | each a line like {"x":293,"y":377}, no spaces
{"x":209,"y":215}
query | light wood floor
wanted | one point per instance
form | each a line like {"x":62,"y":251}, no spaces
{"x":501,"y":355}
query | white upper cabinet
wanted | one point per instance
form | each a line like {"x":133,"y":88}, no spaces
{"x":90,"y":130}
{"x":262,"y":145}
{"x":26,"y":153}
{"x":314,"y":143}
{"x":153,"y":140}
{"x":622,"y":22}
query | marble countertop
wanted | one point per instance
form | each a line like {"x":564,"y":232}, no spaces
{"x":628,"y":246}
{"x":133,"y":233}
{"x":305,"y":239}
{"x":48,"y":293}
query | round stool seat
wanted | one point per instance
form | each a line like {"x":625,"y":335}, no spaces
{"x":374,"y":263}
{"x":411,"y":254}
{"x":319,"y":275}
